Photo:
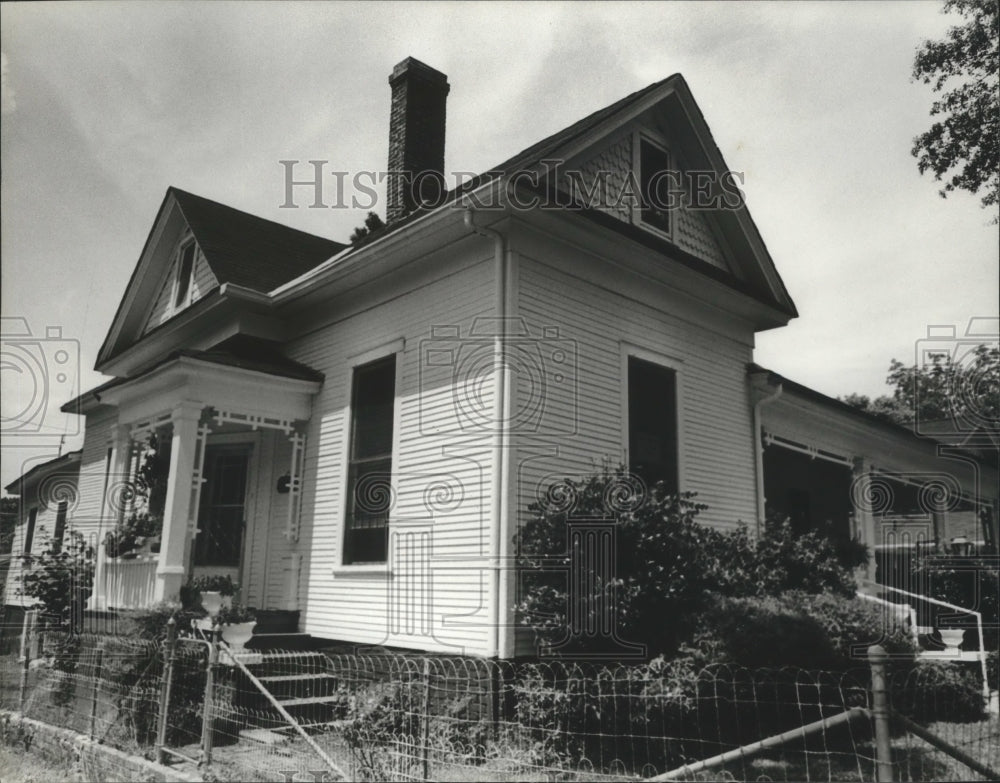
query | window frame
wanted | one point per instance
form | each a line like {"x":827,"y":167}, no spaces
{"x":674,"y":363}
{"x":178,"y":303}
{"x":29,"y":531}
{"x":640,"y":137}
{"x":394,"y":349}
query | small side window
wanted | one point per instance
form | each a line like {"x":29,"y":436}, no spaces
{"x":29,"y":530}
{"x":60,"y":531}
{"x":654,"y":160}
{"x":185,"y":269}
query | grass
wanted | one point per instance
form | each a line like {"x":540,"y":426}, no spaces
{"x":19,"y":766}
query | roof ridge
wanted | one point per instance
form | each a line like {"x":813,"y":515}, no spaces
{"x":188,"y":194}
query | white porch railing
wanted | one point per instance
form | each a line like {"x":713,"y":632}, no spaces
{"x":130,"y":584}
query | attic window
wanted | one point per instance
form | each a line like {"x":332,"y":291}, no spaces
{"x":654,"y":159}
{"x":185,"y":269}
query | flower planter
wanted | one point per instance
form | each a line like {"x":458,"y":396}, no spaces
{"x":238,"y":634}
{"x":952,"y":638}
{"x":211,"y":602}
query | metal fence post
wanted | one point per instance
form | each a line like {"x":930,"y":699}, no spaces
{"x":877,"y":657}
{"x":98,"y":669}
{"x":425,"y":728}
{"x":169,"y":657}
{"x":208,"y":711}
{"x":26,"y":628}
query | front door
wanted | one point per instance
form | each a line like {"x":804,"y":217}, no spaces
{"x":222,"y":513}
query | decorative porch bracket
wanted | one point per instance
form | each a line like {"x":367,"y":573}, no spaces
{"x":295,"y":487}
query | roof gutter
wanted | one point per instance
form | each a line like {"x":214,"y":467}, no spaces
{"x":500,"y":642}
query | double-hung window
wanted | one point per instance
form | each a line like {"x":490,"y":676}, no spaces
{"x":369,"y":474}
{"x":652,"y":423}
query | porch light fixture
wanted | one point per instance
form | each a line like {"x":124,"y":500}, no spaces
{"x":284,"y":484}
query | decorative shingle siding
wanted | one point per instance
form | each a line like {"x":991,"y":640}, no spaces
{"x":692,"y":231}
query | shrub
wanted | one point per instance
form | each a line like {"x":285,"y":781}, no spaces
{"x":940,"y":691}
{"x":667,"y":565}
{"x":386,"y":727}
{"x":826,"y":631}
{"x":134,"y":663}
{"x":61,"y":579}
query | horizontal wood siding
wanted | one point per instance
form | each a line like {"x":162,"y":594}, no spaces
{"x":445,"y":492}
{"x":586,"y":425}
{"x":583,"y":426}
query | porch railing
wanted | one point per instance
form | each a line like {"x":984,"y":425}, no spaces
{"x":130,"y":584}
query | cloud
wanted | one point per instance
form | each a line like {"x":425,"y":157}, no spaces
{"x":8,"y":102}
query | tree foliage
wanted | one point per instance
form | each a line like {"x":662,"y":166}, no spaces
{"x":963,"y":390}
{"x":373,"y":223}
{"x":963,"y":145}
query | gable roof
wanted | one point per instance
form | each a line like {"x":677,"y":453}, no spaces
{"x":241,"y":249}
{"x":70,"y":460}
{"x":247,"y":250}
{"x":766,"y":285}
{"x":253,"y":253}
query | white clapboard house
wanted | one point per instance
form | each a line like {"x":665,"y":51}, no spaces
{"x":354,"y":430}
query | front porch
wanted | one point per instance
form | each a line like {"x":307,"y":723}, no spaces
{"x":231,"y":441}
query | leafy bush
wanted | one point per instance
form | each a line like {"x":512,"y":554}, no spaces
{"x":61,"y":578}
{"x":821,"y":632}
{"x":667,"y":565}
{"x":386,"y":728}
{"x":940,"y":691}
{"x":134,"y":663}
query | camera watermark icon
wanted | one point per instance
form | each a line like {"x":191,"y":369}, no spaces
{"x":458,"y":376}
{"x":969,"y":367}
{"x":38,"y":372}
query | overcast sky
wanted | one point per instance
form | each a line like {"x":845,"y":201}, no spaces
{"x":105,"y":105}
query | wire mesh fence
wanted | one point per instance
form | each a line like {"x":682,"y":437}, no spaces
{"x":263,"y":716}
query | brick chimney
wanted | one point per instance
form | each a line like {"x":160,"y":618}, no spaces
{"x":416,"y":137}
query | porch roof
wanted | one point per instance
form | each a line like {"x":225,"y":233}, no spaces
{"x":253,"y":356}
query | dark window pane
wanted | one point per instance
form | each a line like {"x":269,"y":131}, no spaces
{"x":60,"y":530}
{"x":369,"y":476}
{"x":222,"y":510}
{"x":29,"y":532}
{"x":655,"y":190}
{"x":184,"y":274}
{"x":652,"y":419}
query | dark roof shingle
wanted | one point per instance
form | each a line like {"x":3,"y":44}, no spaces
{"x":250,"y":251}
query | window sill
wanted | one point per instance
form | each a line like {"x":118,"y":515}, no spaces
{"x":365,"y":571}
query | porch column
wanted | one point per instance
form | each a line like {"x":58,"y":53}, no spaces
{"x":863,"y":505}
{"x":116,"y":494}
{"x":177,"y":512}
